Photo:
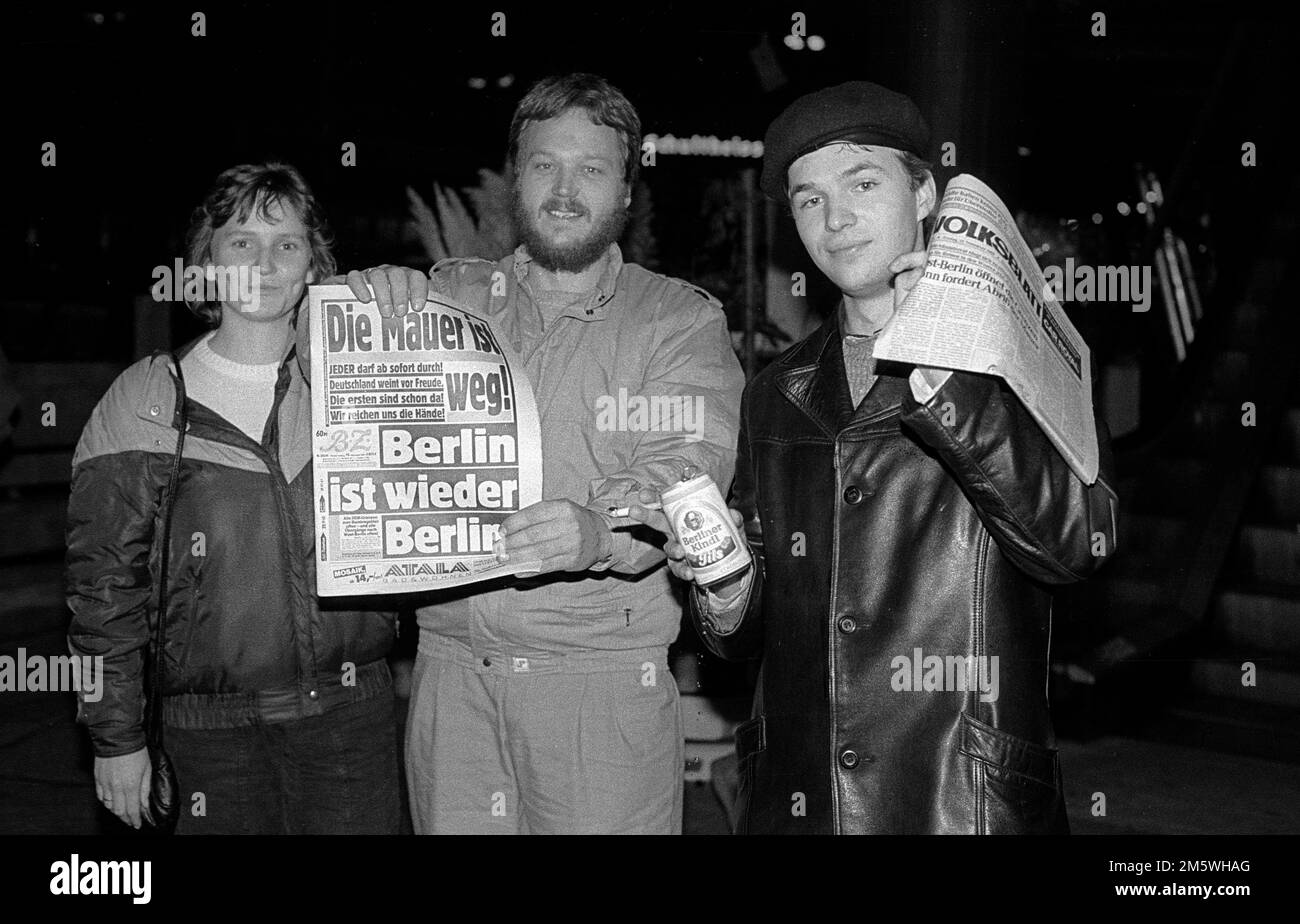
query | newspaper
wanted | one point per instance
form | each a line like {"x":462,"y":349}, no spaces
{"x":984,"y":306}
{"x":424,"y":437}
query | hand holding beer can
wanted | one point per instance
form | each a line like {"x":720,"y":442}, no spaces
{"x":715,"y":548}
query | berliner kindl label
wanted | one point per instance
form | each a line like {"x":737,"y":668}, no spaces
{"x":715,"y":549}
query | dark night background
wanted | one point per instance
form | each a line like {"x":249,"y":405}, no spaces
{"x":1056,"y":120}
{"x":145,"y":115}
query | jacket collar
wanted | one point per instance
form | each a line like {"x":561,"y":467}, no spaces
{"x":812,"y":378}
{"x":158,"y":403}
{"x":594,"y":307}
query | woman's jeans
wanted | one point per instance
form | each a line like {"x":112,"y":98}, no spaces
{"x":334,"y":773}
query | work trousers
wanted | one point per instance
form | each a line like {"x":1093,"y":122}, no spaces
{"x":529,"y":742}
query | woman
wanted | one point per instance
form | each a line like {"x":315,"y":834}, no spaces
{"x":277,"y":707}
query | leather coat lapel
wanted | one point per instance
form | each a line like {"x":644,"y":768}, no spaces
{"x":814,"y":381}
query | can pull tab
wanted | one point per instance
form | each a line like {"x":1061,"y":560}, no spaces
{"x":689,"y":472}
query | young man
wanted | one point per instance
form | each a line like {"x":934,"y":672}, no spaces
{"x":278,"y":708}
{"x":545,"y":705}
{"x":896,"y":518}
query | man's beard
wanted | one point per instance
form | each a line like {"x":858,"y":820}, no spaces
{"x":571,"y":257}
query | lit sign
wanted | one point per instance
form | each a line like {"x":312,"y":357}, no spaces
{"x":705,"y":146}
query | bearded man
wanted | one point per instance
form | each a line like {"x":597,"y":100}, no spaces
{"x":545,"y":705}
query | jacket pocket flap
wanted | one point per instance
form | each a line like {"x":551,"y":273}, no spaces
{"x":751,"y":737}
{"x":1008,"y":752}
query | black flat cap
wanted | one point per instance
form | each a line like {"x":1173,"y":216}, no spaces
{"x":858,"y":111}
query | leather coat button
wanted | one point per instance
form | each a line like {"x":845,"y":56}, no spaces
{"x":848,"y":624}
{"x":853,"y":494}
{"x":848,"y":759}
{"x":313,"y":695}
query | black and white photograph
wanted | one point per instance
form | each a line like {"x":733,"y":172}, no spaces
{"x":661,"y":419}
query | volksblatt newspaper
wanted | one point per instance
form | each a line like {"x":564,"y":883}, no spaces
{"x":984,"y":306}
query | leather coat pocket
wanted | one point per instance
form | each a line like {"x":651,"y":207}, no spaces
{"x":1016,"y":782}
{"x":751,"y":740}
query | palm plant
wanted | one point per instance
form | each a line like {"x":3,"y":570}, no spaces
{"x":484,"y":228}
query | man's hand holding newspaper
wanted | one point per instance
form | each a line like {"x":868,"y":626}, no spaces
{"x":908,"y":270}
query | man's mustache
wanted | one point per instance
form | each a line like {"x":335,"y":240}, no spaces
{"x":561,"y":205}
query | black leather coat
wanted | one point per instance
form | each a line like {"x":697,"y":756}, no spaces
{"x":884,"y":537}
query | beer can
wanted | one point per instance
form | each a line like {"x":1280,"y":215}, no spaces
{"x":715,"y":548}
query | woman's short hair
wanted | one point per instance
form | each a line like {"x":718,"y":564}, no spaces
{"x":236,"y":194}
{"x":552,"y":96}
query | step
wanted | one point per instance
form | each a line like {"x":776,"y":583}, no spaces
{"x":1275,"y":497}
{"x":32,"y":600}
{"x":1205,"y":429}
{"x":1199,"y":433}
{"x":1152,"y":542}
{"x":1139,"y":619}
{"x":50,"y":467}
{"x":1230,"y":726}
{"x":26,"y":626}
{"x":57,"y":399}
{"x":1131,"y":585}
{"x":1133,"y":595}
{"x":31,"y":580}
{"x":1286,"y":449}
{"x":1267,"y":275}
{"x":1255,"y":620}
{"x":1266,"y":553}
{"x":1154,"y":787}
{"x":1172,"y":487}
{"x":1277,"y":679}
{"x":1249,"y":326}
{"x":33,"y":524}
{"x":1232,"y":376}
